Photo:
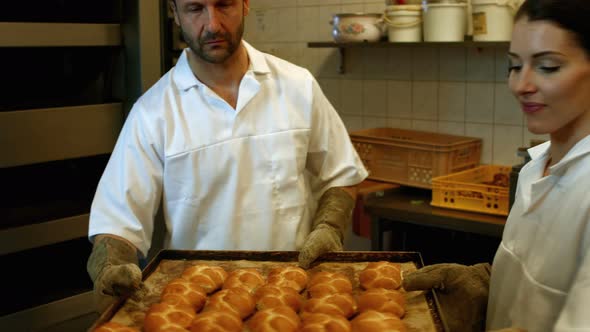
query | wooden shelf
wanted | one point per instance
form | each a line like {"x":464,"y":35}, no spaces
{"x":20,"y":34}
{"x":385,"y":44}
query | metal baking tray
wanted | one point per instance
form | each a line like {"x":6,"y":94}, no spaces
{"x":168,"y":264}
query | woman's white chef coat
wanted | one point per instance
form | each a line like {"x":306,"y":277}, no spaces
{"x":232,"y":179}
{"x":541,"y":273}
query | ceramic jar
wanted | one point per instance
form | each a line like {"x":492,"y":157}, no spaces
{"x":357,"y":27}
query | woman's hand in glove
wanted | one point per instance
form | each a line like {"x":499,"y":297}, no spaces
{"x":113,"y":267}
{"x":331,"y":220}
{"x":462,"y":292}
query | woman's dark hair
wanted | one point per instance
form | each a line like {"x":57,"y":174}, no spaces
{"x":571,"y":15}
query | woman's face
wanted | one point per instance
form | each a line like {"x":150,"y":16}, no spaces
{"x":550,"y":77}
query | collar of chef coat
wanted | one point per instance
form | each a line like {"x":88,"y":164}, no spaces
{"x":534,"y":185}
{"x":185,"y":79}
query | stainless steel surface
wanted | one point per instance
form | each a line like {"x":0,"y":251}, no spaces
{"x":150,"y":20}
{"x":142,"y":42}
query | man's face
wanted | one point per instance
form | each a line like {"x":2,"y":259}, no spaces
{"x":213,"y":29}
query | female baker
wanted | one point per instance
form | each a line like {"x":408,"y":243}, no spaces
{"x":540,"y":277}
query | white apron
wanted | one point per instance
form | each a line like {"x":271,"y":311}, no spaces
{"x":245,"y":178}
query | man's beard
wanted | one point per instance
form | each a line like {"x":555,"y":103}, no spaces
{"x":196,"y":45}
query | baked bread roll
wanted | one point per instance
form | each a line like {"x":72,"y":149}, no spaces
{"x":318,"y":322}
{"x":115,"y":327}
{"x":335,"y":304}
{"x":271,"y":296}
{"x":164,"y":317}
{"x":235,"y":300}
{"x":278,"y":319}
{"x":381,"y":275}
{"x":326,"y":283}
{"x":288,"y":276}
{"x":216,"y":321}
{"x":182,"y":291}
{"x":208,"y":277}
{"x":248,"y":279}
{"x":382,"y":300}
{"x":374,"y":321}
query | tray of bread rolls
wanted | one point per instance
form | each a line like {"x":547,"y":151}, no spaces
{"x":246,"y":291}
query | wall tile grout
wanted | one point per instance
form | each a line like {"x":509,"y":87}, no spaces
{"x":477,"y":72}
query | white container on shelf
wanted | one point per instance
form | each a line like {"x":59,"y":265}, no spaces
{"x":357,"y":27}
{"x":404,"y":23}
{"x":402,"y":2}
{"x":444,"y":22}
{"x":493,"y":19}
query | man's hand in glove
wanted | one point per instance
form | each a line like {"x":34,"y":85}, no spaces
{"x":462,"y":292}
{"x":331,"y":220}
{"x":113,"y":267}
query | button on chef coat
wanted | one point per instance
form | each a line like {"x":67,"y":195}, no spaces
{"x":245,"y":178}
{"x":541,"y":272}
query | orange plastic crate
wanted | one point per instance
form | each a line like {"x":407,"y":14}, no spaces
{"x":474,"y":190}
{"x":413,"y":158}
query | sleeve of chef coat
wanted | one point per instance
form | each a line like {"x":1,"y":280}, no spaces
{"x":332,"y":159}
{"x":129,"y":191}
{"x":575,"y":315}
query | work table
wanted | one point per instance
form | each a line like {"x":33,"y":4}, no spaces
{"x":412,"y":206}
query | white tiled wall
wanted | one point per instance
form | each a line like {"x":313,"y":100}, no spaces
{"x":449,"y":89}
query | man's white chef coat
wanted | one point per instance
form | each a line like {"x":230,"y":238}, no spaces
{"x":541,"y":273}
{"x":232,"y":179}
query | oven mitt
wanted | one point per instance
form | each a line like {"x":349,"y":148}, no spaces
{"x":461,"y":290}
{"x":330,"y":222}
{"x":114,"y":268}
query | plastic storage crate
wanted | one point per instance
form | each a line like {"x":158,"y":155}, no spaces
{"x":483,"y":189}
{"x":413,"y":158}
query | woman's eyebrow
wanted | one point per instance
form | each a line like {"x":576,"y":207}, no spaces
{"x":540,"y":54}
{"x":537,"y":55}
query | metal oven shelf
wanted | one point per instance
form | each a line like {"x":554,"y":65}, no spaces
{"x":21,"y":34}
{"x":48,"y":134}
{"x":37,"y":235}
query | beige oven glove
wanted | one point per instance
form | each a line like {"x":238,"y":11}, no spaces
{"x":330,"y":222}
{"x":113,"y":266}
{"x":462,"y":292}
